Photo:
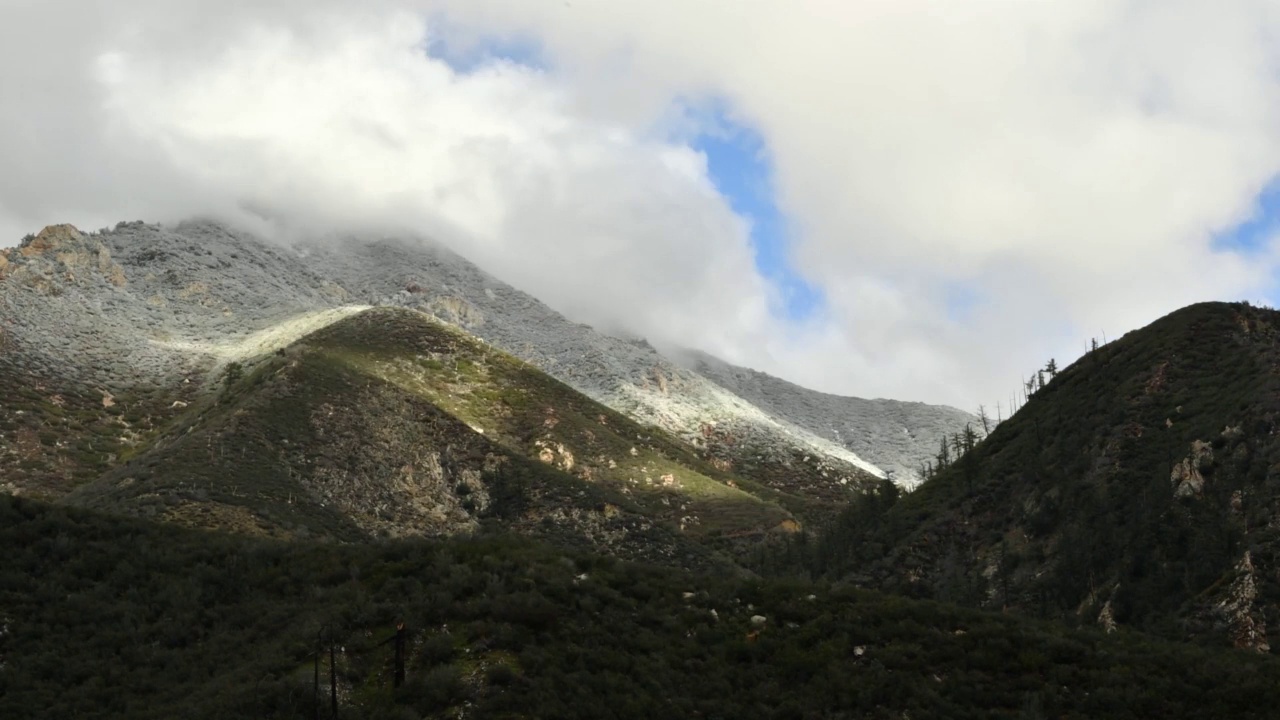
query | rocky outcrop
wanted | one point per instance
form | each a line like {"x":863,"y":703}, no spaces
{"x":1186,"y":478}
{"x":1248,"y":629}
{"x":1107,"y":618}
{"x":454,"y":311}
{"x":59,"y":255}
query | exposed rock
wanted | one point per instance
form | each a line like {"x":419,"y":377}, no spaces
{"x":1107,"y":618}
{"x":554,"y":453}
{"x":1186,"y":477}
{"x":453,"y":310}
{"x":1247,"y":626}
{"x":64,"y":251}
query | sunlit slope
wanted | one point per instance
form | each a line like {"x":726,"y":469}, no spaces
{"x":388,"y":422}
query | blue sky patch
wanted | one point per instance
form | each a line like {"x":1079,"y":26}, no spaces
{"x":471,"y":53}
{"x":738,"y":163}
{"x":1252,"y":235}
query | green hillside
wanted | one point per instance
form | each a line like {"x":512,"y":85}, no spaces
{"x":389,"y":423}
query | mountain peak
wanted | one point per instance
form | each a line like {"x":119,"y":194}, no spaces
{"x":57,"y":255}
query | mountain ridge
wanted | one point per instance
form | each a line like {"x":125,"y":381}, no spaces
{"x":1137,"y":487}
{"x":882,"y":442}
{"x":168,"y":292}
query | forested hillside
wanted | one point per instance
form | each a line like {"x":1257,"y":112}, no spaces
{"x":106,"y":617}
{"x":1138,"y":487}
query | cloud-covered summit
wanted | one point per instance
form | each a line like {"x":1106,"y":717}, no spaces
{"x":973,"y":187}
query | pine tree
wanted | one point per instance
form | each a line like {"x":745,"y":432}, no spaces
{"x":1052,"y":368}
{"x":985,"y":420}
{"x":944,"y":454}
{"x":969,"y":464}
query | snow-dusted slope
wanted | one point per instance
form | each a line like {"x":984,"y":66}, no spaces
{"x":159,"y":295}
{"x":629,"y":376}
{"x":885,"y":437}
{"x":894,"y":435}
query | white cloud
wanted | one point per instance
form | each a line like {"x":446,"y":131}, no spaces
{"x":1067,"y":161}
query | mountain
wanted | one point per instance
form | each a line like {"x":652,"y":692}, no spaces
{"x":1137,"y":487}
{"x":234,"y":467}
{"x":896,"y":436}
{"x":105,"y":617}
{"x":756,"y":422}
{"x":108,"y":336}
{"x":201,"y":376}
{"x":389,"y":423}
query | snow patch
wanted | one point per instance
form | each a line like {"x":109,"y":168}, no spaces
{"x":266,"y":340}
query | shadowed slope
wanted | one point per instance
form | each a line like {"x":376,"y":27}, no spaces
{"x":105,"y":617}
{"x":1137,"y":487}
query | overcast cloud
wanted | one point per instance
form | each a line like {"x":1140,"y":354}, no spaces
{"x":1063,"y":166}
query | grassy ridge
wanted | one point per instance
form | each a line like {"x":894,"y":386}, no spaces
{"x":535,"y":415}
{"x":389,"y":423}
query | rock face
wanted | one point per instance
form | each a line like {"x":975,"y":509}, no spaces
{"x":140,"y":306}
{"x":1247,"y":627}
{"x":1107,"y":618}
{"x":1186,"y":477}
{"x":61,"y":252}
